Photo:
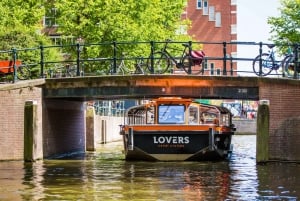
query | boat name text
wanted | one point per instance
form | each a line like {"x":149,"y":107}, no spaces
{"x":171,"y":140}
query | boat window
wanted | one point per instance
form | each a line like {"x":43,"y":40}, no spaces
{"x":150,"y":115}
{"x":225,"y":119}
{"x":208,"y":117}
{"x":171,"y":114}
{"x":193,"y":115}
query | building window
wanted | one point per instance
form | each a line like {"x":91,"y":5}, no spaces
{"x":211,"y":11}
{"x":212,"y":68}
{"x":182,"y":29}
{"x":218,"y":71}
{"x":205,"y":7}
{"x":60,"y":41}
{"x":218,"y":19}
{"x":233,"y":29}
{"x":234,"y":54}
{"x":199,"y":4}
{"x":205,"y":64}
{"x":50,"y":18}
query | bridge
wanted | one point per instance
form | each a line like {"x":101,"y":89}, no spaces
{"x":152,"y":86}
{"x":54,"y":113}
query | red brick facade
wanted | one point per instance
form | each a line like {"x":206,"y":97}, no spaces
{"x":12,"y":103}
{"x":214,"y":21}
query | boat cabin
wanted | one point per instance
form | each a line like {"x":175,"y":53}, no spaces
{"x":178,"y":111}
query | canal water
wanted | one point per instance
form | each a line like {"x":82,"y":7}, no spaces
{"x":105,"y":175}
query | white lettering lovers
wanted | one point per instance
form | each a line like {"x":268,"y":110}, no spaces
{"x":171,"y":140}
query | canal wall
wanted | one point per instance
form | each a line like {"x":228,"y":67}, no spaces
{"x":107,"y":129}
{"x":283,"y":99}
{"x":245,"y":126}
{"x":12,"y":101}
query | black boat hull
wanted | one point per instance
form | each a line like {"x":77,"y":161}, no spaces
{"x":177,"y":145}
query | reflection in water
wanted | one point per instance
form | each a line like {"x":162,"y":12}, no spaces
{"x":105,"y":175}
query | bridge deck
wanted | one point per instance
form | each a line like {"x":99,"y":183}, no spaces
{"x":150,"y":86}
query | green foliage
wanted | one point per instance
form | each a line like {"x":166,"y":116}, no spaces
{"x":20,"y":29}
{"x":99,"y":22}
{"x":286,"y":27}
{"x":96,"y":21}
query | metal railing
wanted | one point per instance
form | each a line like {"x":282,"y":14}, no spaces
{"x":99,"y":58}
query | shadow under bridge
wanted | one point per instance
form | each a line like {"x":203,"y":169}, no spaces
{"x":152,"y":86}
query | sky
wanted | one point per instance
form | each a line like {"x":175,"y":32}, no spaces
{"x":252,"y":26}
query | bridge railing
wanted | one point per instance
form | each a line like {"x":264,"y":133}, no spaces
{"x":93,"y":59}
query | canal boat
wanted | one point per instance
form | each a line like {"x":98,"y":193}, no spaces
{"x":177,"y":129}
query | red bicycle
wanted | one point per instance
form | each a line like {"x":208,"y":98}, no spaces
{"x":190,"y":60}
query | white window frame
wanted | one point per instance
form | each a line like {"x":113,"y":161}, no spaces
{"x":218,"y":22}
{"x":50,"y":21}
{"x":233,"y":29}
{"x":211,"y":13}
{"x":199,"y":4}
{"x":205,"y":7}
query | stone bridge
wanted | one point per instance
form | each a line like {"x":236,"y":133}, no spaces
{"x":58,"y":117}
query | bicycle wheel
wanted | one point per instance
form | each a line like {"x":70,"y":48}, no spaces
{"x":71,"y":71}
{"x":192,"y":66}
{"x":266,"y":67}
{"x":23,"y":72}
{"x":288,"y":65}
{"x":161,"y":63}
{"x":140,"y":66}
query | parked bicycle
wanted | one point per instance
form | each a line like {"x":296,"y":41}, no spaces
{"x":268,"y":62}
{"x":289,"y":63}
{"x":59,"y":71}
{"x":190,"y":60}
{"x":131,"y":68}
{"x":7,"y":68}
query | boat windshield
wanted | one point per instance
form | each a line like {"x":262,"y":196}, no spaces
{"x":171,"y":114}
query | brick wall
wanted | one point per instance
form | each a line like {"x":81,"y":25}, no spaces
{"x":284,"y":97}
{"x":204,"y":29}
{"x":12,"y":102}
{"x":63,"y":127}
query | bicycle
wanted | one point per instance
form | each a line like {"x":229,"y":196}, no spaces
{"x":268,"y":62}
{"x":62,"y":71}
{"x":288,"y":63}
{"x":189,"y":61}
{"x":122,"y":69}
{"x":7,"y":68}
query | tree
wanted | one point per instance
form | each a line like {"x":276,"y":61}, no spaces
{"x":286,"y":27}
{"x":98,"y":21}
{"x":20,"y":25}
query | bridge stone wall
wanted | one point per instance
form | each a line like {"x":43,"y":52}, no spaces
{"x":12,"y":102}
{"x":284,"y":134}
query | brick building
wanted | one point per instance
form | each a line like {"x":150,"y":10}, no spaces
{"x":214,"y":22}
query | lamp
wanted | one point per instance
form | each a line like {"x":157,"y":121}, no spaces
{"x":79,"y":45}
